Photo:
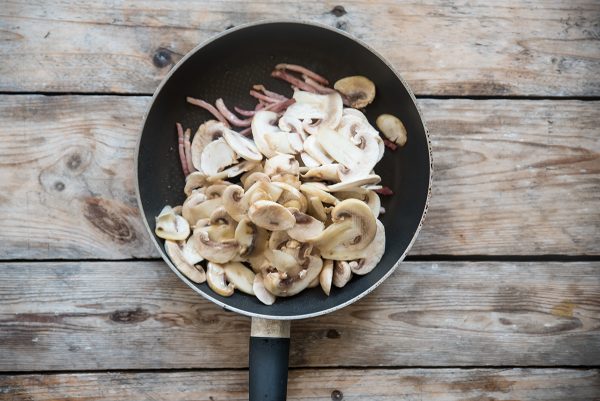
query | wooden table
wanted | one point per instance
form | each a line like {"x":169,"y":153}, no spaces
{"x":499,"y":298}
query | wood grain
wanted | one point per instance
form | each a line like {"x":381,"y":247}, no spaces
{"x":138,"y":315}
{"x":314,"y":384}
{"x":518,"y":47}
{"x":512,"y":177}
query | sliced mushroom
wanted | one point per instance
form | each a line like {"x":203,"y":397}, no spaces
{"x":172,"y":226}
{"x":284,"y":285}
{"x":352,"y":230}
{"x":197,"y":207}
{"x":207,"y":132}
{"x":291,"y":197}
{"x":326,"y":276}
{"x":216,"y":156}
{"x":251,"y":179}
{"x":222,"y":225}
{"x":281,"y":164}
{"x":314,"y":283}
{"x":316,"y":110}
{"x":261,"y":190}
{"x":190,"y":254}
{"x":342,"y":273}
{"x":371,"y":198}
{"x":214,"y":251}
{"x":271,"y":215}
{"x":246,"y":234}
{"x":233,"y":171}
{"x":244,"y":147}
{"x":308,"y":160}
{"x":215,"y":274}
{"x":261,"y":292}
{"x":326,"y":172}
{"x":357,"y":90}
{"x":175,"y":252}
{"x":392,"y":128}
{"x":270,"y":139}
{"x":233,"y":202}
{"x":373,"y":252}
{"x":306,"y":227}
{"x":315,"y":151}
{"x":194,"y":181}
{"x":282,"y":261}
{"x":354,"y":183}
{"x":240,"y":276}
{"x":315,"y":209}
{"x":318,"y":190}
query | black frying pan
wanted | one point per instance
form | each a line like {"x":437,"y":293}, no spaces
{"x":227,"y":66}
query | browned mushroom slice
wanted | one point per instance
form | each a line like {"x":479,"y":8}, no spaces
{"x":233,"y":202}
{"x":171,"y":226}
{"x":357,"y":90}
{"x":215,"y":274}
{"x":392,"y":128}
{"x":191,"y":271}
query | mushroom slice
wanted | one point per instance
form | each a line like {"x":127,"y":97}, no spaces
{"x":315,"y":209}
{"x":306,"y":227}
{"x":282,"y":261}
{"x":244,"y":147}
{"x":325,"y":109}
{"x":172,"y":226}
{"x":176,"y":254}
{"x":326,"y":172}
{"x":284,"y":285}
{"x":392,"y":128}
{"x":371,"y":198}
{"x":206,"y":133}
{"x":194,"y":181}
{"x":373,"y":253}
{"x":216,"y":189}
{"x":271,"y":215}
{"x":269,"y":138}
{"x":196,"y":207}
{"x":359,"y":91}
{"x":326,"y":276}
{"x":214,"y":251}
{"x":278,"y":239}
{"x":318,"y":190}
{"x":233,"y":202}
{"x":314,"y":283}
{"x":215,"y":275}
{"x":251,"y":179}
{"x":261,"y":292}
{"x":308,"y":160}
{"x":281,"y":164}
{"x":352,"y":230}
{"x":313,"y":149}
{"x":342,"y":273}
{"x":216,"y":156}
{"x":246,"y":234}
{"x":240,"y":276}
{"x":233,"y":171}
{"x":261,"y":190}
{"x":190,"y":254}
{"x":291,"y":197}
{"x":354,"y":183}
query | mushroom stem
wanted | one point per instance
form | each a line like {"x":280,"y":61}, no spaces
{"x":269,"y":93}
{"x":188,"y":151}
{"x":180,"y":141}
{"x":293,"y":80}
{"x":302,"y":70}
{"x":232,"y":118}
{"x":208,"y":107}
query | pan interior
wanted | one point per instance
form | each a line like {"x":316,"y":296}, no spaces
{"x":227,"y":67}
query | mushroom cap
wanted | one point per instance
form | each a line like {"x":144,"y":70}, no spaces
{"x":172,"y":226}
{"x":175,"y":252}
{"x":373,"y":252}
{"x":315,"y":209}
{"x":240,"y":276}
{"x":254,"y":177}
{"x":271,"y":215}
{"x":308,"y":160}
{"x":392,"y":128}
{"x":215,"y":275}
{"x":216,"y":156}
{"x":190,"y":254}
{"x":206,"y":133}
{"x":233,"y":171}
{"x":359,"y":91}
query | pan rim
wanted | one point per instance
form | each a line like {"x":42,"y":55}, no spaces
{"x":161,"y":249}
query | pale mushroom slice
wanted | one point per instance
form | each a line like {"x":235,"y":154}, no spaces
{"x":326,"y":172}
{"x":233,"y":171}
{"x":216,"y":156}
{"x":392,"y":128}
{"x":352,"y":230}
{"x":190,"y":254}
{"x":246,"y":234}
{"x":342,"y":273}
{"x":194,"y":181}
{"x":308,"y":160}
{"x":270,"y":139}
{"x":291,"y":197}
{"x":316,"y":110}
{"x":244,"y":147}
{"x":316,"y":209}
{"x":197,"y":207}
{"x":281,"y":164}
{"x":206,"y":133}
{"x":253,"y":178}
{"x":306,"y":227}
{"x":284,"y":285}
{"x":261,"y":190}
{"x":172,"y":226}
{"x":176,"y":254}
{"x":326,"y":276}
{"x":233,"y":202}
{"x":271,"y":215}
{"x":215,"y":274}
{"x":354,"y":183}
{"x":373,"y":253}
{"x":240,"y":276}
{"x":370,"y":197}
{"x":261,"y":292}
{"x":289,"y":123}
{"x":320,"y":191}
{"x":358,"y":91}
{"x":214,"y":251}
{"x":314,"y":283}
{"x":315,"y":151}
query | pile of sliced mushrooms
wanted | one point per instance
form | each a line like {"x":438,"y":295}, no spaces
{"x":295,"y":205}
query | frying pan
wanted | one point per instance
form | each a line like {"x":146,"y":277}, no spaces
{"x":227,"y":66}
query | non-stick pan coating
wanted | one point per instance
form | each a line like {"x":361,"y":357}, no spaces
{"x":227,"y":67}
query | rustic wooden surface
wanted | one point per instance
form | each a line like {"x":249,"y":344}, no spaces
{"x":500,"y":301}
{"x":501,"y":165}
{"x":315,"y":384}
{"x":538,"y":47}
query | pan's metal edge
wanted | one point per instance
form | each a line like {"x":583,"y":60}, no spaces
{"x":160,"y":248}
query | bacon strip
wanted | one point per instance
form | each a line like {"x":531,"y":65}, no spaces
{"x":245,"y":113}
{"x":187,"y":146}
{"x":208,"y":107}
{"x":180,"y":142}
{"x":262,"y":97}
{"x":246,"y":131}
{"x":281,"y":106}
{"x":390,"y":144}
{"x":386,"y":191}
{"x":302,"y":70}
{"x":232,"y":118}
{"x":293,"y":80}
{"x":269,"y":93}
{"x":318,"y":87}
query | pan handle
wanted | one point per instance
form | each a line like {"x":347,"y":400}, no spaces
{"x":269,"y":354}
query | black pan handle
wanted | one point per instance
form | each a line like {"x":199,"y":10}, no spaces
{"x":269,"y":354}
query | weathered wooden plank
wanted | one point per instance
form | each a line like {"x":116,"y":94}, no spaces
{"x":138,"y":315}
{"x":518,"y":47}
{"x":314,"y":384}
{"x":512,"y":177}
